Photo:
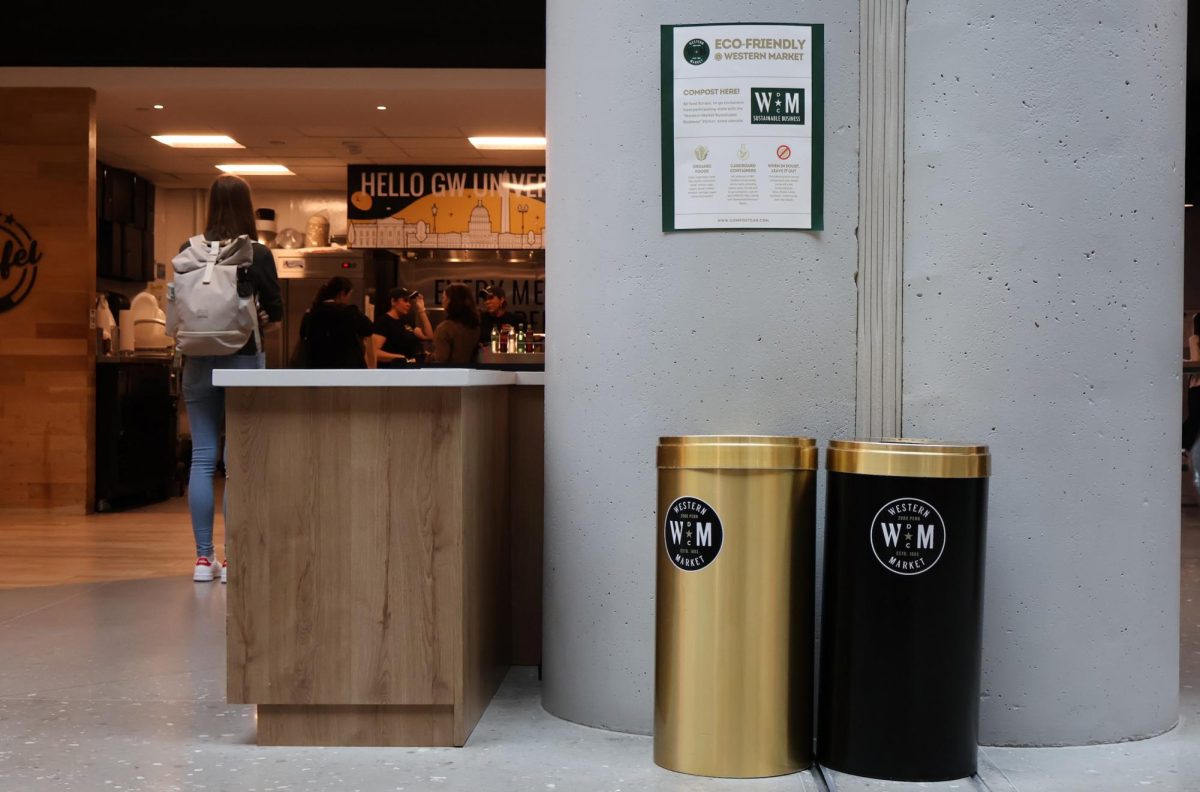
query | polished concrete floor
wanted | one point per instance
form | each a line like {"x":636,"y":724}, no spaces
{"x":120,"y":686}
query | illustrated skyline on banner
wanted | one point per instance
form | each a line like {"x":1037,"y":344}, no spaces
{"x":506,"y":220}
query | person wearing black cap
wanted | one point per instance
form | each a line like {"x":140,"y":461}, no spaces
{"x":495,"y":313}
{"x":397,"y":339}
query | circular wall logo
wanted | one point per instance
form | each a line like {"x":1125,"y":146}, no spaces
{"x":908,"y":536}
{"x":19,"y":257}
{"x":695,"y":51}
{"x":693,"y":534}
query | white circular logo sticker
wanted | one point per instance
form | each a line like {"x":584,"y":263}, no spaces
{"x":908,"y":536}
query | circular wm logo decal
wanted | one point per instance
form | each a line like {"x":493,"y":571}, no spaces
{"x":695,"y":51}
{"x":908,"y":536}
{"x":19,"y":257}
{"x":693,"y":534}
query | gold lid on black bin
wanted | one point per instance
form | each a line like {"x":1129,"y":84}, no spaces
{"x":908,"y":457}
{"x":738,"y":452}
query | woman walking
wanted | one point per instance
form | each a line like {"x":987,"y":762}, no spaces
{"x":230,"y":223}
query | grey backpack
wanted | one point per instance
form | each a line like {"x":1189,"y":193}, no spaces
{"x":205,"y":312}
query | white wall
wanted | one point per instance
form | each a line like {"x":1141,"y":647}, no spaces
{"x":661,"y":334}
{"x":178,"y":215}
{"x":1043,"y":302}
{"x":292,"y":209}
{"x":181,"y":213}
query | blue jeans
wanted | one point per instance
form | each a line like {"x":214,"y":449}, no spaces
{"x":206,"y":416}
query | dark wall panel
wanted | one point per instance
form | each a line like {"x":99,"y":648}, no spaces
{"x":369,"y":35}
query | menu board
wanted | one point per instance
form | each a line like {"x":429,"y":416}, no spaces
{"x":742,"y":116}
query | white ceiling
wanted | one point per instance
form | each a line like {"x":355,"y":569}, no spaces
{"x":315,"y":121}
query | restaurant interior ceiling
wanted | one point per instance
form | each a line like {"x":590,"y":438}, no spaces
{"x":314,"y":121}
{"x":297,"y":86}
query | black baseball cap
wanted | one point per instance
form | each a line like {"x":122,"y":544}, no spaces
{"x":491,"y":291}
{"x":402,"y":293}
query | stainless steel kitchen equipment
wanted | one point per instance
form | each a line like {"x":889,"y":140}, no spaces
{"x":301,"y":273}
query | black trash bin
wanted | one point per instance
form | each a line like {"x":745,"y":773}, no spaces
{"x":903,"y":593}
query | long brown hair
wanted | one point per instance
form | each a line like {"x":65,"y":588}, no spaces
{"x":332,"y":288}
{"x":230,"y":209}
{"x":462,"y":307}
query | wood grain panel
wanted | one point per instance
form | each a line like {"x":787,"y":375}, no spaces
{"x":61,"y":330}
{"x":526,"y":476}
{"x":343,"y":545}
{"x":485,"y":553}
{"x":47,"y":182}
{"x":370,"y":560}
{"x":354,"y":725}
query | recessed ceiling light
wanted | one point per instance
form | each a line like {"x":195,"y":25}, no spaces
{"x":256,"y":169}
{"x":198,"y":141}
{"x":158,"y":107}
{"x":509,"y":143}
{"x":381,"y":107}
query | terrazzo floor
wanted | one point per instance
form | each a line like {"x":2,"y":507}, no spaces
{"x":119,"y":686}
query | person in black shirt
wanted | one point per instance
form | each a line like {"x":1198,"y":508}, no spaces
{"x":333,"y":331}
{"x":494,"y":314}
{"x":396,"y":339}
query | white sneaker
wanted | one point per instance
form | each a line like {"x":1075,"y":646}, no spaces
{"x":225,"y":571}
{"x":205,"y":570}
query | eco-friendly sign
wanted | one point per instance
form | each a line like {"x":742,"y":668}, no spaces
{"x":742,"y":114}
{"x":446,"y":206}
{"x":19,"y":257}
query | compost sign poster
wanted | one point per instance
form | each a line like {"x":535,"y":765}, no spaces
{"x":742,"y":114}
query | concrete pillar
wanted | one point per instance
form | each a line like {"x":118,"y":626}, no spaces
{"x":1042,"y":315}
{"x":1042,"y":297}
{"x":660,"y":334}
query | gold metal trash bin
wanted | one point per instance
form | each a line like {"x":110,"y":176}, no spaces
{"x":733,"y":692}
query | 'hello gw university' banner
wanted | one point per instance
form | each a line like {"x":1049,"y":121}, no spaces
{"x":446,"y":206}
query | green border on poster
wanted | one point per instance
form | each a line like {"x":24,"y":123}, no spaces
{"x":668,"y":129}
{"x":817,"y":175}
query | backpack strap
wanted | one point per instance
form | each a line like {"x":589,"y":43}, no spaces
{"x":213,"y":248}
{"x":258,"y":346}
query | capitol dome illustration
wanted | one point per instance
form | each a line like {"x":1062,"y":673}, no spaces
{"x":479,"y":228}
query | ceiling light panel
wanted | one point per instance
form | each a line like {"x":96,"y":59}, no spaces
{"x":255,"y":169}
{"x":509,"y":143}
{"x":198,"y":141}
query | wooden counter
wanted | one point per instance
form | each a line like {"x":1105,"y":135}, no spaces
{"x":369,"y":553}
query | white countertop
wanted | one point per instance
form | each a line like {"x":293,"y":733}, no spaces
{"x":373,"y":378}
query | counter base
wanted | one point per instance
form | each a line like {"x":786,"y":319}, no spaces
{"x":369,"y":574}
{"x":355,"y":725}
